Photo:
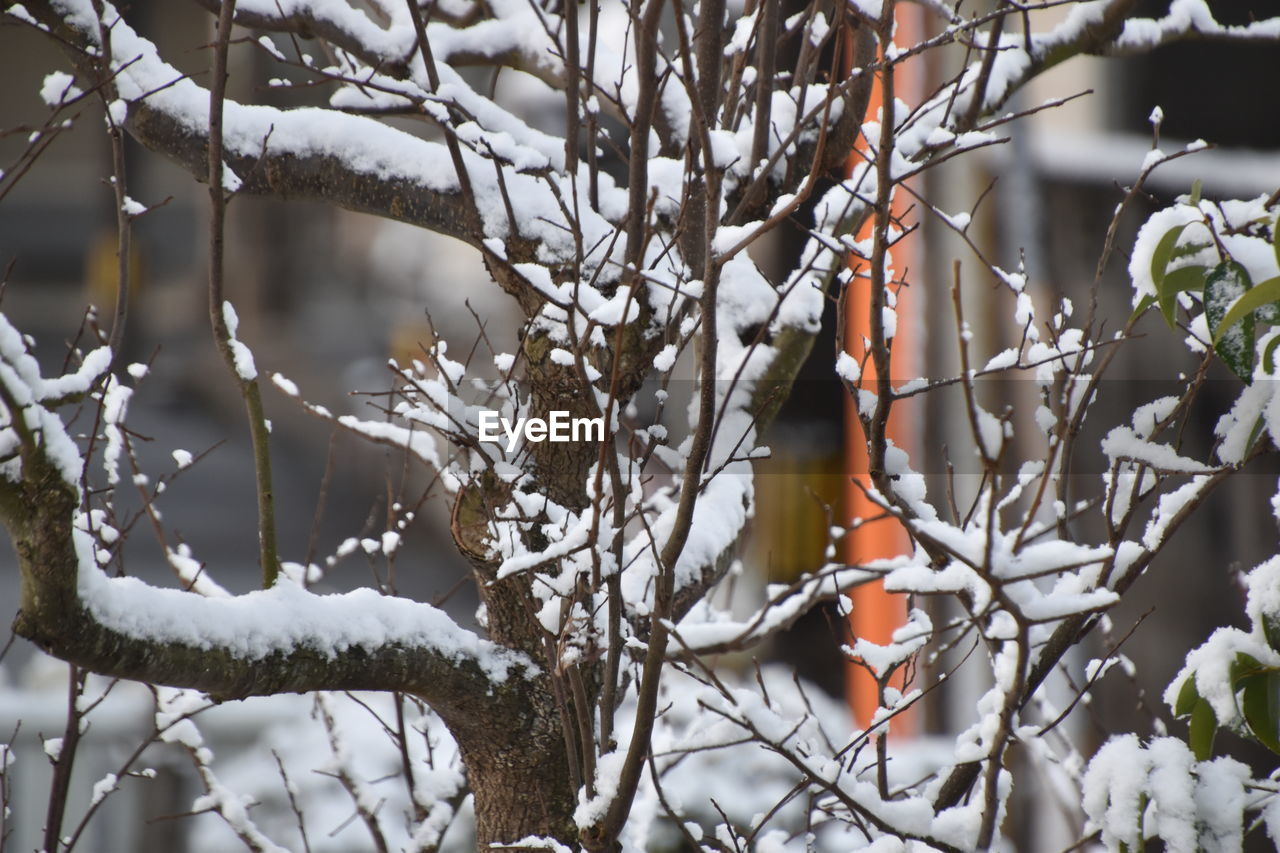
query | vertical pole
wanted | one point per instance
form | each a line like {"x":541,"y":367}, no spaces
{"x":876,"y":613}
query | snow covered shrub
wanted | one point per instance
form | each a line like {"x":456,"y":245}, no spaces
{"x":594,"y":699}
{"x":1219,"y":262}
{"x":1233,"y":680}
{"x":1135,"y":793}
{"x":1177,"y":792}
{"x":1214,"y":268}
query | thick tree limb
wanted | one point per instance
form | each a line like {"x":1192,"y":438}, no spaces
{"x":276,"y":641}
{"x":39,"y":513}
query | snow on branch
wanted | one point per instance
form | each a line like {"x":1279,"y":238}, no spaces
{"x":339,"y":23}
{"x":353,"y":161}
{"x":1009,"y":60}
{"x":1190,"y":19}
{"x":786,"y":604}
{"x":853,"y":797}
{"x":512,"y":33}
{"x":282,"y":639}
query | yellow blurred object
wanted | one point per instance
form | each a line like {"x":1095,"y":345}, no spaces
{"x":408,"y":339}
{"x":101,"y":271}
{"x":791,"y":524}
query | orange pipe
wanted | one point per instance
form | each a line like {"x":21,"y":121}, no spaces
{"x":876,"y":613}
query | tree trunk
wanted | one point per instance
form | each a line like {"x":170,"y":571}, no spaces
{"x":519,"y":774}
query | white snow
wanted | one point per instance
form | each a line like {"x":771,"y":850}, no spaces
{"x":102,"y":788}
{"x":280,"y":619}
{"x":245,"y":368}
{"x":1123,"y":443}
{"x":665,"y":359}
{"x":59,"y":86}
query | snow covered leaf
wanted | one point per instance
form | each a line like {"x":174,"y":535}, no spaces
{"x":1260,"y":300}
{"x":1234,"y":345}
{"x":1271,"y":629}
{"x":1187,"y":698}
{"x":1134,"y":793}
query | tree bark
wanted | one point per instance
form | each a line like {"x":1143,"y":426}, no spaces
{"x":519,"y":774}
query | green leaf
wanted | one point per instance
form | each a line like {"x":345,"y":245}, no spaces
{"x":1256,"y":432}
{"x":1186,"y":250}
{"x":1275,"y":240}
{"x":1143,"y":304}
{"x":1269,"y":367}
{"x":1162,"y":254}
{"x":1269,"y":313}
{"x":1187,"y":698}
{"x":1256,"y":298}
{"x":1233,"y":344}
{"x":1260,"y":704}
{"x":1183,"y":278}
{"x":1204,"y":725}
{"x":1271,"y":628}
{"x":1194,"y":201}
{"x":1246,"y":666}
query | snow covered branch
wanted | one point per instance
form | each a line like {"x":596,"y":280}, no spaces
{"x":356,"y":163}
{"x":284,"y":639}
{"x":1109,"y":28}
{"x":501,"y":34}
{"x":786,"y":604}
{"x":1190,"y":20}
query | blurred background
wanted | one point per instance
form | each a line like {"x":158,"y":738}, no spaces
{"x":325,"y":297}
